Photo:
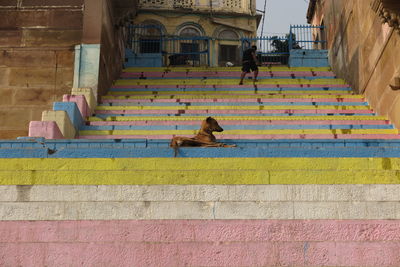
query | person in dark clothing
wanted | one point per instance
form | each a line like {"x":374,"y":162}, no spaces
{"x":249,"y":62}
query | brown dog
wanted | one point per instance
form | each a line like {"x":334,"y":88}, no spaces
{"x":204,"y":138}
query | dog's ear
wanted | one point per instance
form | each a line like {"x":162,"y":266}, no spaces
{"x":209,"y":120}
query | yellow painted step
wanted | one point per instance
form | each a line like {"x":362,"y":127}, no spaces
{"x":224,"y":81}
{"x":177,"y":171}
{"x":236,"y":118}
{"x":239,"y":68}
{"x":261,"y":107}
{"x":212,"y":96}
{"x":240,"y":132}
{"x":230,"y":93}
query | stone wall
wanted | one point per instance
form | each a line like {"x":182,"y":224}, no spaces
{"x":36,"y":58}
{"x":37,"y":44}
{"x":364,"y":50}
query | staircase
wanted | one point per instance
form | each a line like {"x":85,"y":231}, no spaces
{"x":313,"y":181}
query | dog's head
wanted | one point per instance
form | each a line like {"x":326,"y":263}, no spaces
{"x":211,"y":124}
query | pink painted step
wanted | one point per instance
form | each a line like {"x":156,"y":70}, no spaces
{"x":150,"y":243}
{"x":46,"y":129}
{"x":234,"y":100}
{"x":216,"y":74}
{"x":244,"y":122}
{"x":259,"y":86}
{"x":224,"y":111}
{"x":254,"y":136}
{"x":80,"y":101}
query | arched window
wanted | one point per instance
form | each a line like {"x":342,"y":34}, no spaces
{"x":189,"y":45}
{"x":228,"y":34}
{"x":149,"y":36}
{"x":189,"y":31}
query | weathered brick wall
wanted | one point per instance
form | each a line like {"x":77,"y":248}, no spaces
{"x":36,"y":58}
{"x":364,"y":51}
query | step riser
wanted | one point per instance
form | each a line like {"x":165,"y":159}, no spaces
{"x":236,"y":100}
{"x":174,"y":210}
{"x":239,"y":123}
{"x":217,"y":74}
{"x":251,"y":136}
{"x":211,"y":112}
{"x":201,"y":243}
{"x":236,"y":127}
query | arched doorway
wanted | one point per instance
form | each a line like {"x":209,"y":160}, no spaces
{"x":228,"y":47}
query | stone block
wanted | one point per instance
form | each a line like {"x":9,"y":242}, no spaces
{"x":10,"y":38}
{"x":6,"y":96}
{"x":253,"y":210}
{"x":8,"y":193}
{"x":46,"y":129}
{"x":64,"y":79}
{"x":34,"y":210}
{"x":88,"y":93}
{"x":382,"y":210}
{"x":28,"y":58}
{"x":8,"y":3}
{"x":259,"y":193}
{"x":32,"y":77}
{"x":65,"y":58}
{"x":33,"y":97}
{"x":15,"y":118}
{"x":66,"y":19}
{"x":81,"y":103}
{"x":105,"y":211}
{"x":73,"y":112}
{"x":354,"y":210}
{"x":315,"y":210}
{"x":12,"y":134}
{"x":383,"y":193}
{"x":52,"y":3}
{"x":45,"y":37}
{"x":181,"y":210}
{"x":8,"y":19}
{"x":63,"y":121}
{"x":30,"y":18}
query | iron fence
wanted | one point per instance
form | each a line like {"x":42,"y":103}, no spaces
{"x":307,"y":37}
{"x":197,"y":50}
{"x":271,"y":50}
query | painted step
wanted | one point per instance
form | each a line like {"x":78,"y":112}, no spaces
{"x":230,"y":86}
{"x":241,"y":118}
{"x":227,"y":81}
{"x":373,"y":243}
{"x":225,"y":74}
{"x":233,"y":89}
{"x":287,"y":99}
{"x":248,"y":122}
{"x":221,"y":69}
{"x":229,"y":171}
{"x":232,"y":127}
{"x":249,"y":149}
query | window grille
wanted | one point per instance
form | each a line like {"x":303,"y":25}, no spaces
{"x":235,"y":4}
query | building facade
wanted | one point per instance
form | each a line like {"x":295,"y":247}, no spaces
{"x":219,"y":23}
{"x":364,"y":43}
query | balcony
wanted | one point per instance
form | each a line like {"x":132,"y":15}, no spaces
{"x":218,"y":6}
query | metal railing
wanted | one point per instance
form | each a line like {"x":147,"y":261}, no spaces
{"x":196,"y":51}
{"x":271,"y":50}
{"x":307,"y":37}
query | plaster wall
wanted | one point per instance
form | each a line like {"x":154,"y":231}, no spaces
{"x":245,"y":26}
{"x":363,"y":50}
